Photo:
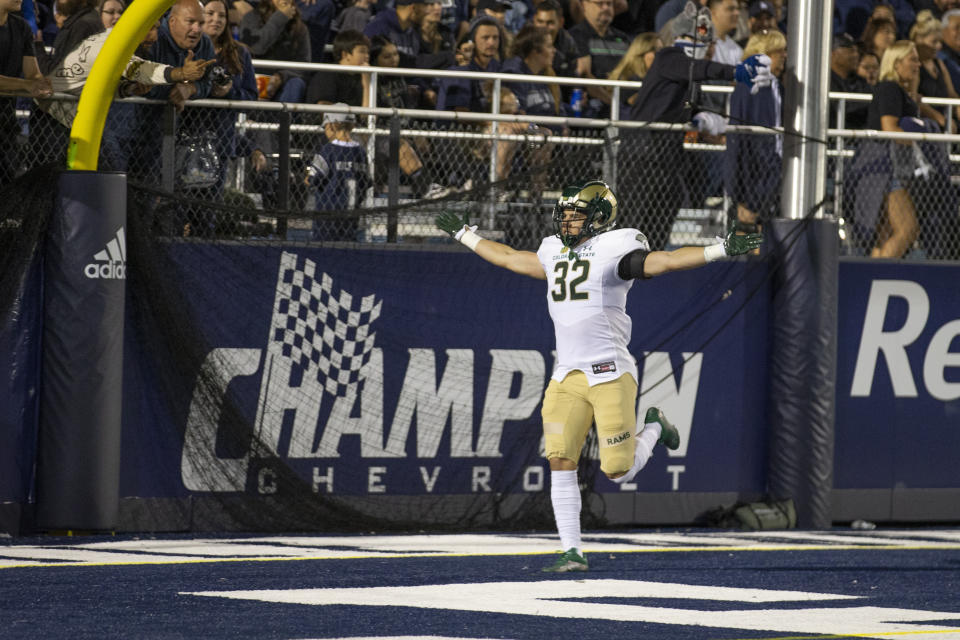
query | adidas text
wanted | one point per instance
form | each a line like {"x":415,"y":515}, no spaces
{"x":111,"y":263}
{"x":106,"y":270}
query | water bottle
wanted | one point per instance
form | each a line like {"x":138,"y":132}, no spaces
{"x":576,"y":102}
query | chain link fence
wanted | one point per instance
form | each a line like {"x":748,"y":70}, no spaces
{"x":263,"y":169}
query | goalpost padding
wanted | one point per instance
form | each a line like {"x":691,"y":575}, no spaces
{"x":78,"y":453}
{"x":803,"y":367}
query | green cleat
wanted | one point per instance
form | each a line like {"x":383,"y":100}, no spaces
{"x":569,"y":560}
{"x":669,"y":436}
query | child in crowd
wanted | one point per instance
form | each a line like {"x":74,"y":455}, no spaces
{"x":340,"y":179}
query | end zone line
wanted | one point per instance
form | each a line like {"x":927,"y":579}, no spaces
{"x":441,"y":554}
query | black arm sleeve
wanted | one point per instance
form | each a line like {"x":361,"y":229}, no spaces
{"x":631,"y":265}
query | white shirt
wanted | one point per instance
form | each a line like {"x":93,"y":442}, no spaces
{"x":71,"y":75}
{"x":587,"y":302}
{"x":727,"y":51}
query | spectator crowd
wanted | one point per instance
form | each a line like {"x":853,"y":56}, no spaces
{"x":899,"y":51}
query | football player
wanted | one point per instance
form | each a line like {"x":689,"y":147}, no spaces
{"x":589,"y":266}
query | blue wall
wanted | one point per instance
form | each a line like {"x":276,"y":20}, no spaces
{"x":482,"y":336}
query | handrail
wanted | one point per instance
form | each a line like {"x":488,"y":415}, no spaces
{"x":473,"y":117}
{"x":516,"y":77}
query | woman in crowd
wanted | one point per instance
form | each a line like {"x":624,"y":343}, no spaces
{"x":934,"y":80}
{"x":879,"y":34}
{"x":275,"y":31}
{"x":110,"y":12}
{"x":752,"y":162}
{"x":436,"y":40}
{"x":634,"y":64}
{"x":237,"y":80}
{"x":882,"y":170}
{"x":437,"y":45}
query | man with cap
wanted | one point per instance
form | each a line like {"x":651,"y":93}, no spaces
{"x":399,"y":25}
{"x":761,"y":15}
{"x":597,"y":37}
{"x":844,"y":58}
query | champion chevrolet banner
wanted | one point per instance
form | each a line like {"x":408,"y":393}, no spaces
{"x":460,"y":347}
{"x":418,"y":372}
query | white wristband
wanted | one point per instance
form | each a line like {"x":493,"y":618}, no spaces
{"x":469,"y":238}
{"x":714,"y":252}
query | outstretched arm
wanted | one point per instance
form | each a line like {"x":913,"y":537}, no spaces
{"x":659,"y":262}
{"x":522,"y":262}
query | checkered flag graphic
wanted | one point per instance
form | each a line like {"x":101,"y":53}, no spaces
{"x":326,"y":335}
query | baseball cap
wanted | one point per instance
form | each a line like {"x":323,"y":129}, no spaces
{"x":760,"y":6}
{"x":493,"y":5}
{"x":843,"y":40}
{"x":331,"y":116}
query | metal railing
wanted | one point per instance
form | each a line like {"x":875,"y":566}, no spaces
{"x":455,"y":143}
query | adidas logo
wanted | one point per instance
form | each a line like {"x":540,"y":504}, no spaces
{"x":111,"y":263}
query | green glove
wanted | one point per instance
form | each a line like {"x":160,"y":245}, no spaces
{"x":452,"y":223}
{"x":735,"y":245}
{"x":455,"y":225}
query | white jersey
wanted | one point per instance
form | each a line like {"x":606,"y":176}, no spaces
{"x":587,"y":302}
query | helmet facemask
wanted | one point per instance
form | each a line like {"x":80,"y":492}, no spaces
{"x":595,"y":201}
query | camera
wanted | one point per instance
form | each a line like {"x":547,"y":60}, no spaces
{"x":219,"y":76}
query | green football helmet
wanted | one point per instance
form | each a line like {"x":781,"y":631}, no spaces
{"x":597,"y":203}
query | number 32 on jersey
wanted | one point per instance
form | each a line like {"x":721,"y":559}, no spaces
{"x":577,"y":272}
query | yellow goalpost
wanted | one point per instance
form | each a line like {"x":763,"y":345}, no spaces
{"x":87,"y":131}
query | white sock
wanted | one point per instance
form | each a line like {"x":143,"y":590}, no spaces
{"x":565,"y":496}
{"x":646,"y":441}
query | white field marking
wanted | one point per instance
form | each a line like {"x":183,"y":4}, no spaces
{"x":953,"y":535}
{"x":318,"y":547}
{"x":72,"y":555}
{"x":235,"y":549}
{"x":680,"y":539}
{"x":7,"y":563}
{"x":427,"y":543}
{"x":864,"y":538}
{"x":553,"y":599}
